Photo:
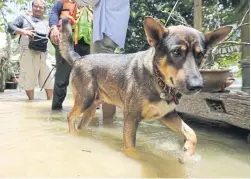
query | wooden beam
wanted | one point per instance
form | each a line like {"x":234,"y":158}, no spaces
{"x":230,"y":108}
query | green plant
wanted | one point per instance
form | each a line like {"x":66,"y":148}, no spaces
{"x":11,"y":70}
{"x":228,"y":60}
{"x":136,"y":39}
{"x":229,"y":56}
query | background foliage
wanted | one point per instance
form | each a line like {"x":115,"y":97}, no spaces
{"x":215,"y":14}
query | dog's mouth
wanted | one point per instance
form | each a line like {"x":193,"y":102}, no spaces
{"x":188,"y":92}
{"x":186,"y":88}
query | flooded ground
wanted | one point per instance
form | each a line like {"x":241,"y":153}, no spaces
{"x":35,"y":143}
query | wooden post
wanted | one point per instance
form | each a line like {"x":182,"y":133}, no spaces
{"x":245,"y":55}
{"x":197,"y":19}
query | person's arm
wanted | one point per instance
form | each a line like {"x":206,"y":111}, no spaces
{"x":16,"y":27}
{"x":53,"y":22}
{"x":55,"y":13}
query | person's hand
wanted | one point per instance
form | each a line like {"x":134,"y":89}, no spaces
{"x":28,"y":32}
{"x":15,"y":80}
{"x":55,"y":36}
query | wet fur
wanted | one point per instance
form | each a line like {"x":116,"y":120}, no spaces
{"x":128,"y":80}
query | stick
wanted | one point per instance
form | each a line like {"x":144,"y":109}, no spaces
{"x":47,"y":78}
{"x":171,"y":12}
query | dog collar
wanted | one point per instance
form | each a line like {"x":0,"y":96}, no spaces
{"x":167,"y":90}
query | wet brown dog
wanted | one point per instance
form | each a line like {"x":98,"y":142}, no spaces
{"x":144,"y":85}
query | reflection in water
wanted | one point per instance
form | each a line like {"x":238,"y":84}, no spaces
{"x":35,"y":143}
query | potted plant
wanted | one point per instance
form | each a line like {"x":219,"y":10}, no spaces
{"x":12,"y":75}
{"x":216,"y":69}
{"x":217,"y":63}
{"x":10,"y":66}
{"x":4,"y":56}
{"x":219,"y":60}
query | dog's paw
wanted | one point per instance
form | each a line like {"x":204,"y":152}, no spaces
{"x":83,"y":133}
{"x":186,"y":158}
{"x":74,"y":132}
{"x":81,"y":127}
{"x":132,"y":153}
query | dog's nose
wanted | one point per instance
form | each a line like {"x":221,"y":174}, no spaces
{"x":194,"y":88}
{"x":195,"y":84}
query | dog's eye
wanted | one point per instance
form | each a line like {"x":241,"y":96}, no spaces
{"x":177,"y":52}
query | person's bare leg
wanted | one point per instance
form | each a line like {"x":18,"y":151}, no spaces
{"x":106,"y":45}
{"x":49,"y":93}
{"x":108,"y":110}
{"x":30,"y":94}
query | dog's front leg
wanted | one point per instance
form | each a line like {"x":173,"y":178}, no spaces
{"x":173,"y":121}
{"x":131,"y":122}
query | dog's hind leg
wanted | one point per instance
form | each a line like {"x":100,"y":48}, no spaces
{"x":173,"y":121}
{"x":73,"y":115}
{"x":89,"y":105}
{"x":87,"y":116}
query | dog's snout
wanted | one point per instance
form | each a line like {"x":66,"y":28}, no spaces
{"x":195,"y":84}
{"x":194,"y":87}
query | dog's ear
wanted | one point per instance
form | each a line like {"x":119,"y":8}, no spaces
{"x":216,"y":36}
{"x":154,"y":31}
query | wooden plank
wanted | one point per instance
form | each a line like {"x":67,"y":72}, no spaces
{"x":230,"y":108}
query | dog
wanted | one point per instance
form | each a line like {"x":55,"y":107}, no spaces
{"x":145,"y":85}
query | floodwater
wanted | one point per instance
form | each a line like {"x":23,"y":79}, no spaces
{"x":35,"y":143}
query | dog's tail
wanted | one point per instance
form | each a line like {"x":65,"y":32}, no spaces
{"x":66,"y":45}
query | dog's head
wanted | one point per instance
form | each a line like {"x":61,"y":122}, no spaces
{"x":179,"y":51}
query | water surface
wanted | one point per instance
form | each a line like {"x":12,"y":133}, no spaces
{"x":35,"y":143}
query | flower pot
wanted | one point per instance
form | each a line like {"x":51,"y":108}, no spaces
{"x":215,"y":80}
{"x":10,"y":85}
